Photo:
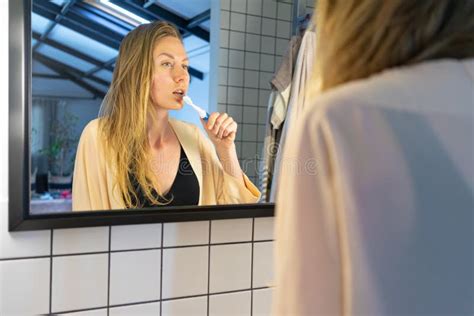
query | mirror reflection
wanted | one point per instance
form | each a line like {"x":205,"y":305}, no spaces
{"x":129,"y":110}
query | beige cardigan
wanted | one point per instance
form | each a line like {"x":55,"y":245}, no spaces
{"x":93,"y":186}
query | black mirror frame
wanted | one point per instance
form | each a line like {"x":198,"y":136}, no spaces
{"x":19,"y":156}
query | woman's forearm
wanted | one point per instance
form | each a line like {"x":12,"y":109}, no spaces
{"x":230,"y":163}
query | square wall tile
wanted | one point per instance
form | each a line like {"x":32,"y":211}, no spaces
{"x":268,"y":27}
{"x":235,"y":111}
{"x":267,"y":63}
{"x":281,"y":46}
{"x":134,"y":276}
{"x":262,"y":302}
{"x":236,"y":59}
{"x":251,"y":113}
{"x":269,"y":8}
{"x":186,"y":233}
{"x":225,"y":4}
{"x":184,"y":271}
{"x":249,"y":150}
{"x":284,"y":11}
{"x":136,"y":236}
{"x":233,"y":304}
{"x":251,"y":78}
{"x":250,"y":97}
{"x":224,"y":38}
{"x":252,"y":43}
{"x":24,"y":287}
{"x":222,"y":97}
{"x":88,"y":274}
{"x":252,"y":61}
{"x":238,"y":6}
{"x":236,"y":77}
{"x":234,"y":95}
{"x":225,"y":17}
{"x":254,"y":24}
{"x":283,"y":29}
{"x":223,"y":57}
{"x":237,"y":21}
{"x":94,"y":312}
{"x":150,"y":309}
{"x":264,"y":228}
{"x":230,"y":267}
{"x":236,"y":40}
{"x":265,"y":78}
{"x":263,"y":97}
{"x":21,"y":244}
{"x":196,"y":306}
{"x":223,"y":75}
{"x":229,"y":230}
{"x":263,"y":264}
{"x":268,"y":45}
{"x":249,"y":133}
{"x":80,"y":240}
{"x":254,"y":7}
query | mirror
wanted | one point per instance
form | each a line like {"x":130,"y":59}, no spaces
{"x":74,"y":49}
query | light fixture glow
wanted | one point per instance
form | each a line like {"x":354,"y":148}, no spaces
{"x":121,"y":10}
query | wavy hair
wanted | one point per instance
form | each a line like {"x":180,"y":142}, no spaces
{"x":358,"y":38}
{"x":126,"y":109}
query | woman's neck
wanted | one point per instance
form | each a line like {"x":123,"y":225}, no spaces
{"x":159,"y":129}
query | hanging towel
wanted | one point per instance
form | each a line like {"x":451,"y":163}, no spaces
{"x":297,"y":101}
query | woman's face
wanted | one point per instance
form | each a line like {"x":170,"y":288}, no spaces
{"x":170,"y":80}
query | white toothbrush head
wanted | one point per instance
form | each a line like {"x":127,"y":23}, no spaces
{"x":202,"y":113}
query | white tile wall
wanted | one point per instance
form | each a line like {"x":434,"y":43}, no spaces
{"x":21,"y":244}
{"x":263,"y":264}
{"x":262,"y":302}
{"x":231,"y":230}
{"x":185,"y":271}
{"x":232,"y":304}
{"x":264,"y":228}
{"x":186,"y":233}
{"x":24,"y":286}
{"x":135,"y":276}
{"x":230,"y":267}
{"x":185,"y":307}
{"x":80,"y":240}
{"x":136,"y":236}
{"x":149,"y":309}
{"x":79,"y":282}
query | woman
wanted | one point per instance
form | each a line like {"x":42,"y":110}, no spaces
{"x":135,"y":156}
{"x":384,"y":225}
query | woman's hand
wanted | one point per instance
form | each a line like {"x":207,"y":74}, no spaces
{"x":221,"y":129}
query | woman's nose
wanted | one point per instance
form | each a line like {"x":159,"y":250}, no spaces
{"x":181,"y":74}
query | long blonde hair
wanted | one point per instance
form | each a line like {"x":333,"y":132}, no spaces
{"x":126,"y":109}
{"x":357,"y":38}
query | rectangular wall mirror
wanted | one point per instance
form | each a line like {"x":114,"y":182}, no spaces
{"x":63,"y":55}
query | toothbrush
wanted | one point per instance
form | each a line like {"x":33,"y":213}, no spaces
{"x":202,"y":113}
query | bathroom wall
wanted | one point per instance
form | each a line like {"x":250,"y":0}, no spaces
{"x":254,"y":35}
{"x":198,"y":268}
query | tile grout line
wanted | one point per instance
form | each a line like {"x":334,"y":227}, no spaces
{"x":209,"y":267}
{"x":161,"y":268}
{"x":108,"y":270}
{"x":51,"y":273}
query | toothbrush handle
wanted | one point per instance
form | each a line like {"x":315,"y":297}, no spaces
{"x":205,"y":118}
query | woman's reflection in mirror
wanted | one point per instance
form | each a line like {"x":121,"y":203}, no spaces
{"x":134,"y":155}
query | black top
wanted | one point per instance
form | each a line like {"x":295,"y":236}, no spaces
{"x":183,"y":191}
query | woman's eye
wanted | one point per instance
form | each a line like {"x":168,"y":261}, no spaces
{"x":167,"y":64}
{"x":186,"y":67}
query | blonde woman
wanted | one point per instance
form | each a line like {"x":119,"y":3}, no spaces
{"x":378,"y":217}
{"x":135,"y":156}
